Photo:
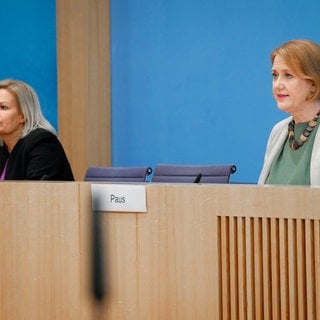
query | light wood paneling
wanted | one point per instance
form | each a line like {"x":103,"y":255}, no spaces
{"x":214,"y":252}
{"x":199,"y":252}
{"x":84,"y":123}
{"x":39,"y":251}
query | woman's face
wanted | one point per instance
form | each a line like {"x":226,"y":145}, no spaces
{"x":289,"y":90}
{"x":11,"y":118}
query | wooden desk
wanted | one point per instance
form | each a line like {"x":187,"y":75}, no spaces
{"x":200,"y":252}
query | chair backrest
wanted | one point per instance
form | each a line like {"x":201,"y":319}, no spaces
{"x":117,"y":174}
{"x":213,"y":173}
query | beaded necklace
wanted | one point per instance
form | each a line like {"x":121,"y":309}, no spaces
{"x":296,"y":144}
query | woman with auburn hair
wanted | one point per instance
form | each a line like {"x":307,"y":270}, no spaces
{"x":293,"y":150}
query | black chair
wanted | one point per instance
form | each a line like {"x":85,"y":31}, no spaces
{"x":117,"y":174}
{"x":213,"y":173}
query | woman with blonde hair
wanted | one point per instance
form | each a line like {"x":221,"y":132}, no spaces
{"x":29,"y":146}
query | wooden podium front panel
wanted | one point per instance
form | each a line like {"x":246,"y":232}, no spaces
{"x":214,"y":252}
{"x":199,"y":252}
{"x":159,"y":264}
{"x":39,"y":250}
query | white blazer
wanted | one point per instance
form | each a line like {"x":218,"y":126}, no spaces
{"x":276,"y":140}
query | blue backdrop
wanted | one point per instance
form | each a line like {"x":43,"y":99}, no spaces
{"x":28,"y":48}
{"x":191,"y":80}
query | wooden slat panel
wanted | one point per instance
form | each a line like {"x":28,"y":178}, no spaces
{"x":301,"y":270}
{"x":234,"y":290}
{"x":266,"y":251}
{"x":242,"y":279}
{"x":310,"y":271}
{"x":250,"y":269}
{"x":317,"y":266}
{"x":218,"y":275}
{"x":283,"y":267}
{"x":258,"y":278}
{"x":225,"y":267}
{"x":261,"y":266}
{"x":292,"y":269}
{"x":275,"y":278}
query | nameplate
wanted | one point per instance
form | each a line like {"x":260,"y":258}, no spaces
{"x":118,"y":197}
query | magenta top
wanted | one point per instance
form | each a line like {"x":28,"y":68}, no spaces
{"x":3,"y":174}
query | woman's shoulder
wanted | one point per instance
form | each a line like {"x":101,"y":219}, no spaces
{"x":281,"y":124}
{"x":279,"y":131}
{"x":37,"y":137}
{"x":39,"y":134}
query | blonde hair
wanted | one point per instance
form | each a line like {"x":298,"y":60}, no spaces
{"x":29,"y":105}
{"x":303,"y":58}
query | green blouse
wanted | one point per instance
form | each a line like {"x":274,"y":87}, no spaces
{"x":292,"y":167}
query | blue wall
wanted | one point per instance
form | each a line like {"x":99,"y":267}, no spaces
{"x":191,"y":80}
{"x":28,"y":48}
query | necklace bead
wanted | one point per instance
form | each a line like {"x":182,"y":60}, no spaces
{"x":296,"y":144}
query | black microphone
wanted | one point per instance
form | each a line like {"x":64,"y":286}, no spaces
{"x":198,"y":178}
{"x":98,"y":273}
